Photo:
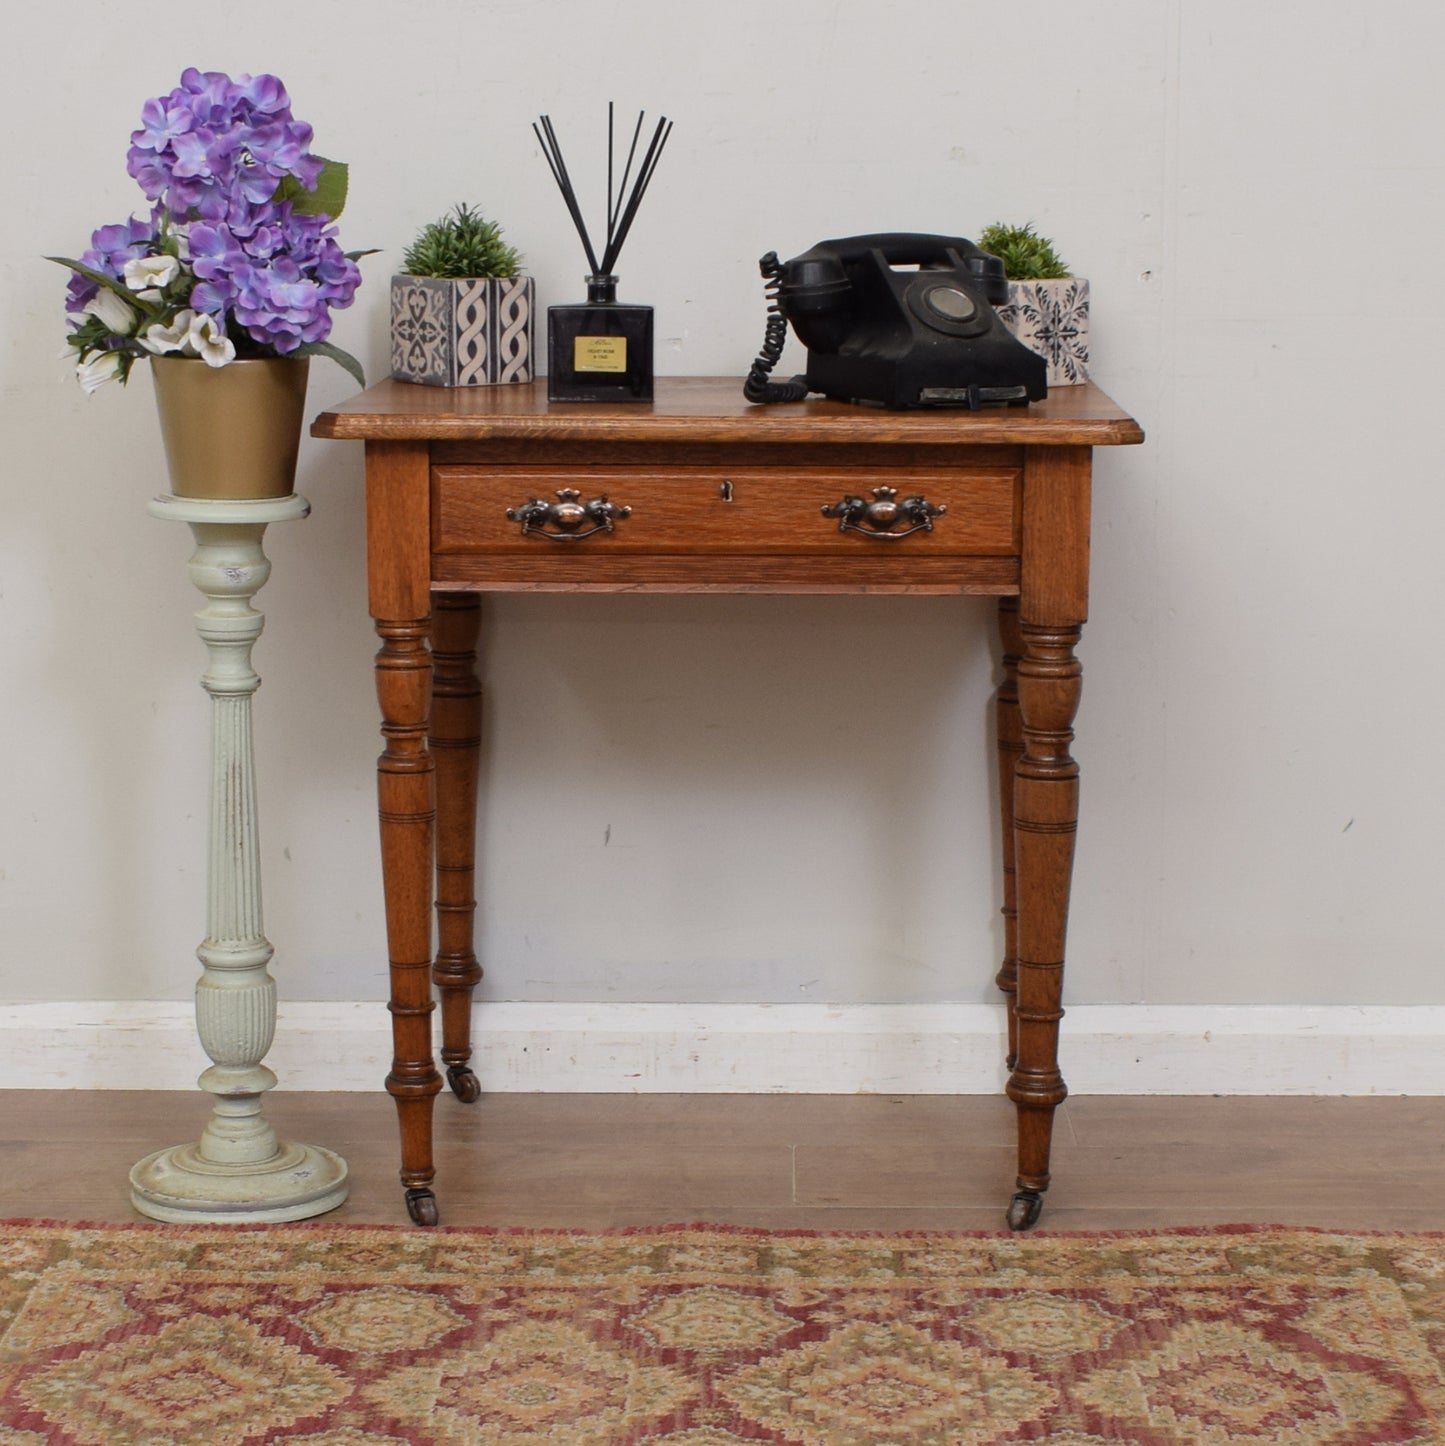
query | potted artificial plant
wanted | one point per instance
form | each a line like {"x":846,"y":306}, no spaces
{"x":226,"y":287}
{"x":1047,"y":308}
{"x":461,"y":311}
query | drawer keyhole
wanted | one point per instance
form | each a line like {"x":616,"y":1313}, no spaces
{"x":726,"y":491}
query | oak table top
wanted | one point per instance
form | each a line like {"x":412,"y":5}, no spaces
{"x":712,"y":409}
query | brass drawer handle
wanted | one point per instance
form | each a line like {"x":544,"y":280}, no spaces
{"x":568,"y":515}
{"x":885,"y":518}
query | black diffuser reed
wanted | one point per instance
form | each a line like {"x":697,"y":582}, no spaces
{"x":600,"y":350}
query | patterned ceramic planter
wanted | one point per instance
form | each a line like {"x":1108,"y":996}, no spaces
{"x":1052,"y":318}
{"x":461,"y":333}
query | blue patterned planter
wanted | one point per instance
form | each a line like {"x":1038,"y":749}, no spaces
{"x":461,"y":333}
{"x":1052,"y":318}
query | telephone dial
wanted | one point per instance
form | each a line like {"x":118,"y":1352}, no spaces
{"x":896,"y":321}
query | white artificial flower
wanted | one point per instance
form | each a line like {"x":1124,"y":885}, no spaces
{"x":151,"y":295}
{"x":143,"y":272}
{"x":116,"y":315}
{"x":209,"y":342}
{"x":101,"y":367}
{"x":161,"y":339}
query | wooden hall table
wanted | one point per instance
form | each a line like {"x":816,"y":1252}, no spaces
{"x":494,"y":489}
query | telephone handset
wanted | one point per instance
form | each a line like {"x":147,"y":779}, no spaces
{"x":895,"y":320}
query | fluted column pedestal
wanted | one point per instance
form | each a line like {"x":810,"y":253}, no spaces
{"x":238,"y":1170}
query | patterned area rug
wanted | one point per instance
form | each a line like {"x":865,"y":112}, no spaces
{"x":699,"y":1336}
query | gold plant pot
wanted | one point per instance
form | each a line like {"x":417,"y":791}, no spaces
{"x":233,"y":431}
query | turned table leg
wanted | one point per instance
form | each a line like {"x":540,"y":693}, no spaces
{"x":1046,"y":812}
{"x":399,"y":584}
{"x":1052,"y":606}
{"x":239,"y":1171}
{"x":1009,"y":738}
{"x":406,"y":808}
{"x":456,"y":729}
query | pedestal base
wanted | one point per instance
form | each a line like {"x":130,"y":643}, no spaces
{"x":179,"y":1185}
{"x":237,"y":1171}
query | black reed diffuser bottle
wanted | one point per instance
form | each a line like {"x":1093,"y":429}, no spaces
{"x":600,"y":350}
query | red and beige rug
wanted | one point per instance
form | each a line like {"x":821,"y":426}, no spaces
{"x":699,"y":1336}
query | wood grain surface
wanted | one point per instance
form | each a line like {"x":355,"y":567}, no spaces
{"x":823,"y":1162}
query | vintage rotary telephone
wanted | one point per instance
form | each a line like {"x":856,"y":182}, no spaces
{"x":895,"y":321}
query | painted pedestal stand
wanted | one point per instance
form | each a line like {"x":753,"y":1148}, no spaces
{"x":238,"y":1171}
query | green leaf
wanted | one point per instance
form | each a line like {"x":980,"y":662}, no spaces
{"x":147,"y":310}
{"x":341,"y":358}
{"x":357,"y":255}
{"x":1025,"y":254}
{"x":329,"y":197}
{"x":462,"y":243}
{"x":109,"y":282}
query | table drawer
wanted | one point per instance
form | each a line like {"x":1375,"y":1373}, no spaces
{"x":935,"y":511}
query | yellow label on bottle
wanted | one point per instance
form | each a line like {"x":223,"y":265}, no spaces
{"x":600,"y":354}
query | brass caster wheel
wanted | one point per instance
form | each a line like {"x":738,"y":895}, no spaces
{"x":465,"y":1085}
{"x":421,"y":1205}
{"x":1024,"y":1209}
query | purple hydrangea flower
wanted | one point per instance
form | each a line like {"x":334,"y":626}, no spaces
{"x":281,"y":280}
{"x":212,"y":136}
{"x":211,"y":96}
{"x":264,"y":95}
{"x":162,"y":121}
{"x":213,"y":156}
{"x":281,"y":307}
{"x":216,"y":257}
{"x":110,"y":248}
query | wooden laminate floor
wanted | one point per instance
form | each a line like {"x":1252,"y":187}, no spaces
{"x":856,"y":1162}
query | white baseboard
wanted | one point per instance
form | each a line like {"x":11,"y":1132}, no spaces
{"x":747,"y":1048}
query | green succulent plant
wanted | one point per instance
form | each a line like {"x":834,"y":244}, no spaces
{"x":461,"y":244}
{"x":1026,"y":255}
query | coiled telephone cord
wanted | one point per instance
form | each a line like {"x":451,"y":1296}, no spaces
{"x":758,"y":387}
